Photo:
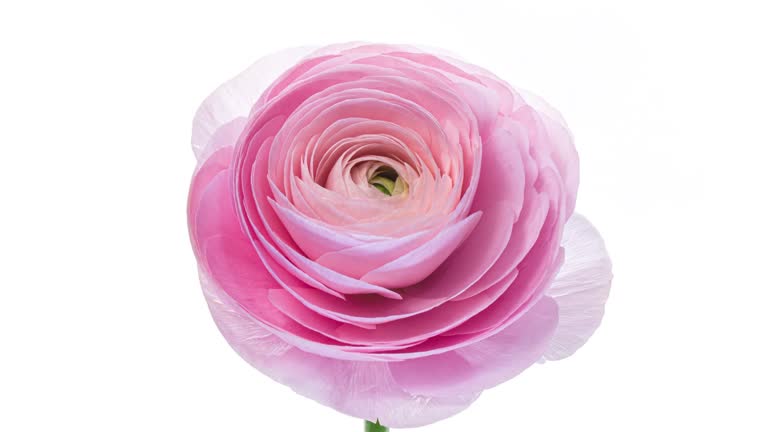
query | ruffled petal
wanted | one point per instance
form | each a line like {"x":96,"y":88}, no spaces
{"x":361,"y":389}
{"x":581,"y":287}
{"x":483,"y":364}
{"x":235,"y":98}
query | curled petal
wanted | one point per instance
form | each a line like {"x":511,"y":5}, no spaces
{"x":581,"y":287}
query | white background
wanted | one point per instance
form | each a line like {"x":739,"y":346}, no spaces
{"x":102,"y":323}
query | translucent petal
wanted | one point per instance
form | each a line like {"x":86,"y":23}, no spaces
{"x":581,"y":287}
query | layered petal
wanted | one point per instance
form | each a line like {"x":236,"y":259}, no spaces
{"x":580,"y":289}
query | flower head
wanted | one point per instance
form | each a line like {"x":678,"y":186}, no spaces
{"x":390,"y":231}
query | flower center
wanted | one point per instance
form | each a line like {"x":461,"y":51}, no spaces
{"x":387,"y":181}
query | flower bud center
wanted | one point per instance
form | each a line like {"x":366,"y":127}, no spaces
{"x":387,"y":181}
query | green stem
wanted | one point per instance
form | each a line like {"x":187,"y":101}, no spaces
{"x":375,"y":427}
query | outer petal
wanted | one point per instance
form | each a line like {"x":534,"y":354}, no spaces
{"x":358,"y":388}
{"x":581,"y":287}
{"x":403,"y":394}
{"x":483,"y":364}
{"x":235,"y":98}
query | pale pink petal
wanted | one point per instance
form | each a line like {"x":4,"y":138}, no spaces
{"x":361,"y":389}
{"x":340,"y":282}
{"x":416,"y":265}
{"x":581,"y":287}
{"x":236,"y":97}
{"x":371,"y":255}
{"x":483,"y":364}
{"x":554,"y":134}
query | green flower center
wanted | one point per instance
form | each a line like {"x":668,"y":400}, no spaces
{"x":387,"y":181}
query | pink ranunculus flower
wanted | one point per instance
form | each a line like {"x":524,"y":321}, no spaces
{"x":390,"y":231}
